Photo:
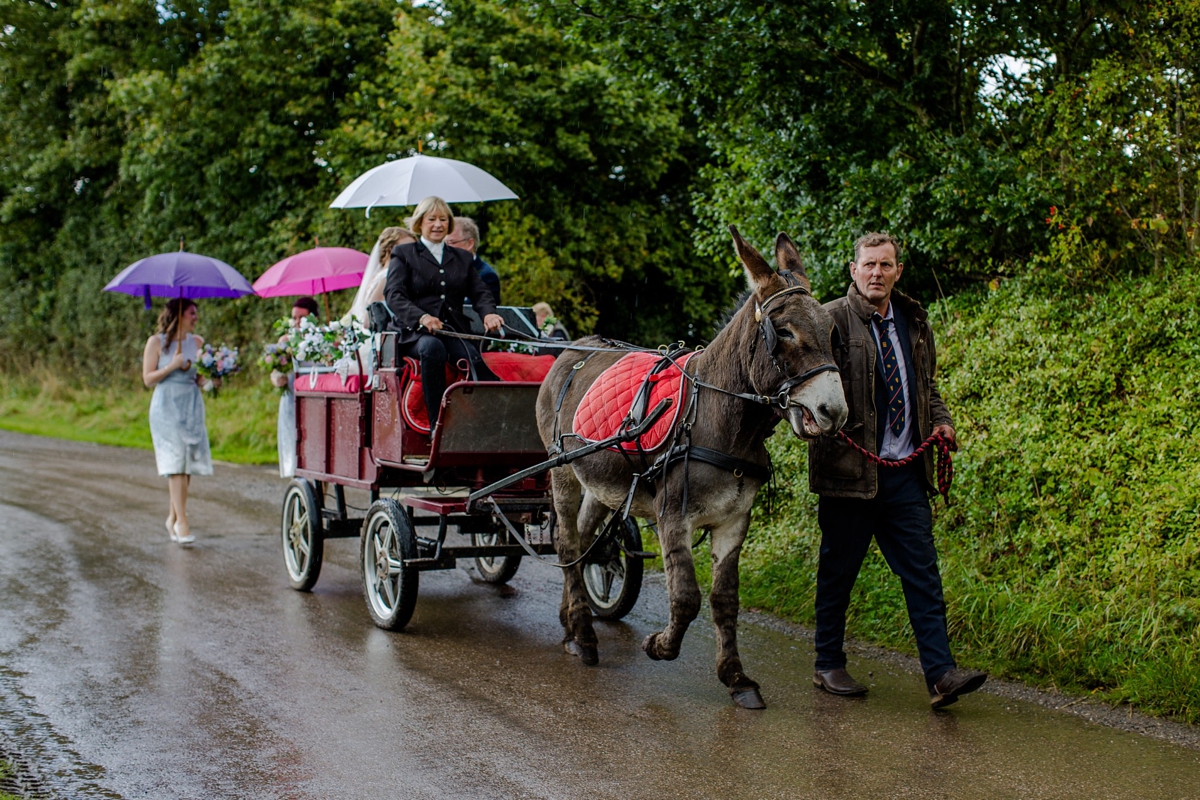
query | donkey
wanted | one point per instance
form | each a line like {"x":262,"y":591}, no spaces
{"x":773,"y":360}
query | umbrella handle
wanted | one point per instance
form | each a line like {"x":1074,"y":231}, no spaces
{"x":372,"y":205}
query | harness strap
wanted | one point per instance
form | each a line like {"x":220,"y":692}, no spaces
{"x":738,"y":466}
{"x":556,"y":444}
{"x":641,"y":399}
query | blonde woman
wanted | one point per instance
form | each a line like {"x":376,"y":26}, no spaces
{"x":427,"y":284}
{"x":177,"y":423}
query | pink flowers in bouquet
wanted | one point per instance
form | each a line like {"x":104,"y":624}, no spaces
{"x":277,"y":356}
{"x":214,"y":363}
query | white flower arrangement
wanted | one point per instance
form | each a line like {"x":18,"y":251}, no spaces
{"x":326,"y":345}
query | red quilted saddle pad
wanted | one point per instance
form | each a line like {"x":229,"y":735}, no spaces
{"x":608,"y":400}
{"x":507,"y":366}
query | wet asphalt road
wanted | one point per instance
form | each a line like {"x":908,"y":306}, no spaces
{"x":132,"y":668}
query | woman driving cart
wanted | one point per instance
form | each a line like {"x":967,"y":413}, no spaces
{"x":426,"y":285}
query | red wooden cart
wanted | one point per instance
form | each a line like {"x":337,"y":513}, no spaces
{"x":370,"y":433}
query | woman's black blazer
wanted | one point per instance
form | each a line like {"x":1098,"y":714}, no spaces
{"x":418,"y":285}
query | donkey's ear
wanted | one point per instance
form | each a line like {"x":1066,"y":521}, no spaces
{"x":788,"y":257}
{"x":757,"y":269}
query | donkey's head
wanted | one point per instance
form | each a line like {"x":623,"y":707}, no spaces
{"x":793,"y":344}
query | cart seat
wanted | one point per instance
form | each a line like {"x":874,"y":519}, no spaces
{"x":507,"y":366}
{"x":519,"y":366}
{"x":329,"y":383}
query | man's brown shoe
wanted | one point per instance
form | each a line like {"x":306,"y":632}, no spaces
{"x":838,"y":681}
{"x":953,"y":685}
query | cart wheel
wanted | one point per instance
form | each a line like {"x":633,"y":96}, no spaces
{"x":303,"y":538}
{"x":390,"y":587}
{"x":494,"y":569}
{"x":612,"y":580}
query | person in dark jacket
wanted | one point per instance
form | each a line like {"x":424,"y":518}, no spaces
{"x":427,"y":284}
{"x":888,"y":362}
{"x":466,"y":236}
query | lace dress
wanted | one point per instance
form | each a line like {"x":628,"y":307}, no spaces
{"x":177,"y":416}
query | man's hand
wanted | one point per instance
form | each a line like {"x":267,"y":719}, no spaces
{"x":430,"y":323}
{"x":948,"y":434}
{"x":493,"y":322}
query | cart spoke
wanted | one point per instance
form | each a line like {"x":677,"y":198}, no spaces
{"x":388,"y":591}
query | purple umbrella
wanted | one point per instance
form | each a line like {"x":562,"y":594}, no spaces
{"x":316,"y":271}
{"x":180,"y":274}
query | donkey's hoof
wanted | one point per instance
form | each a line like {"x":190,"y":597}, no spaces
{"x":748,"y":698}
{"x":650,"y":647}
{"x":589,"y":654}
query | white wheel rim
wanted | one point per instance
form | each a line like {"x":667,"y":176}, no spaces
{"x":383,"y":566}
{"x":297,"y":545}
{"x":605,"y":582}
{"x":487,"y":540}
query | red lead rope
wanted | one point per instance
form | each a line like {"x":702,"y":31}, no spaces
{"x":945,"y":463}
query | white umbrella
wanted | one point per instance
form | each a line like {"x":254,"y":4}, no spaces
{"x":408,"y":181}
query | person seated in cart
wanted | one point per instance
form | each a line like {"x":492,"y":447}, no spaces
{"x":427,"y":283}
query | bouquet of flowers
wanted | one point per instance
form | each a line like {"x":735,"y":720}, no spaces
{"x":277,"y":356}
{"x":216,"y":362}
{"x":326,"y":344}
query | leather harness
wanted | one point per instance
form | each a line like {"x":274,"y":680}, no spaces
{"x":685,"y":451}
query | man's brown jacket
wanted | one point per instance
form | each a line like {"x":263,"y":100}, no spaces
{"x":836,"y":470}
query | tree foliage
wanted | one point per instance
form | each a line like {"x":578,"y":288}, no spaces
{"x":230,"y":127}
{"x":956,"y":124}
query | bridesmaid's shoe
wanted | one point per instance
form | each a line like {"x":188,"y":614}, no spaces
{"x":179,"y":537}
{"x":171,"y":531}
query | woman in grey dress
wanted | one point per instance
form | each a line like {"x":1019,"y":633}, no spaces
{"x":177,"y":409}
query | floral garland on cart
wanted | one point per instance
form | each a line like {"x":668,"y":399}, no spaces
{"x":334,"y":345}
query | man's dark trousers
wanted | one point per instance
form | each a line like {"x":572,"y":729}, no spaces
{"x":900,"y":520}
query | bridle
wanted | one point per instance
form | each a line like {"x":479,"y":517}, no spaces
{"x":779,"y":399}
{"x":771,"y":341}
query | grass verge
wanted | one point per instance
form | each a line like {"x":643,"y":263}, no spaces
{"x":241,"y":419}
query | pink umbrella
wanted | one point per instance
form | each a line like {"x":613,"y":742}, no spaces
{"x":316,"y":271}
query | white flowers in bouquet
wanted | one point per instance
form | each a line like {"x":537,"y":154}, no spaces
{"x":216,"y":362}
{"x":326,"y":344}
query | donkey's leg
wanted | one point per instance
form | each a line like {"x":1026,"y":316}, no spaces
{"x":682,"y":591}
{"x":727,"y":542}
{"x":574,"y":613}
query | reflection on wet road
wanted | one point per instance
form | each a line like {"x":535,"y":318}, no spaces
{"x":132,"y":668}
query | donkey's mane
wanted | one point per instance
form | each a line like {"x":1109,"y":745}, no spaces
{"x":729,"y":313}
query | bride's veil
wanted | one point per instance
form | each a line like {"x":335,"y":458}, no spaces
{"x":359,"y":307}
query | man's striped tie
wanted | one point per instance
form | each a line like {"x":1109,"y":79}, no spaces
{"x":891,"y":376}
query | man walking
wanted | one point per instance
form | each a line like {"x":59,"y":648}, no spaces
{"x":887,"y":358}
